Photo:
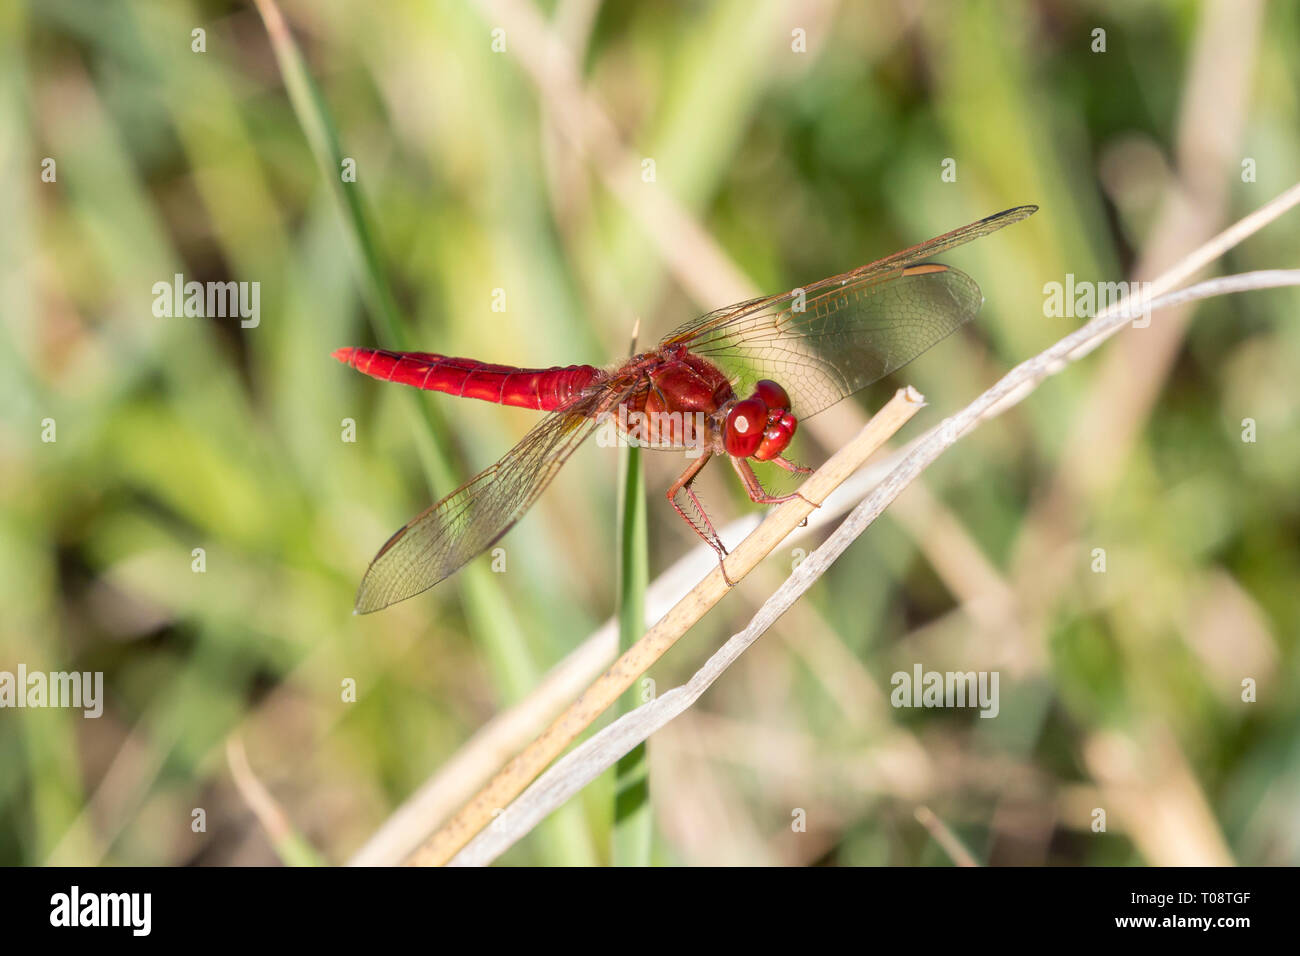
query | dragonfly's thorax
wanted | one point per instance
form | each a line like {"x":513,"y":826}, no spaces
{"x":684,"y":401}
{"x":676,"y":401}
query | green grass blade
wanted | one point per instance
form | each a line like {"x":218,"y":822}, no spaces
{"x":314,"y":117}
{"x":632,"y":832}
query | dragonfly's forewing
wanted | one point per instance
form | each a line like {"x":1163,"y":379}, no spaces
{"x":829,"y":339}
{"x":473,"y":517}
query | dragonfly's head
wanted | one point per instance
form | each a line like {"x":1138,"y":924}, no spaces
{"x":759,"y":426}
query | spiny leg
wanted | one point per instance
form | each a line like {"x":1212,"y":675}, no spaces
{"x":708,"y":532}
{"x":788,"y":465}
{"x":757,"y":493}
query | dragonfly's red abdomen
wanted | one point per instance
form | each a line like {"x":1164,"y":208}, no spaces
{"x":543,"y":389}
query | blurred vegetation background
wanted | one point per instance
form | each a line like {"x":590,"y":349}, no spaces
{"x":777,"y":160}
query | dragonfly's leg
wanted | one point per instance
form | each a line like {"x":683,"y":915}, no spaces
{"x":757,"y":493}
{"x":701,"y":525}
{"x":788,"y":465}
{"x":783,"y":462}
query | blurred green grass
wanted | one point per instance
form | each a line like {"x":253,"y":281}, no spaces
{"x":175,"y":434}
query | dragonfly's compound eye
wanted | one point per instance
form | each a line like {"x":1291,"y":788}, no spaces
{"x":772,"y":395}
{"x":780,"y":429}
{"x":744,"y":427}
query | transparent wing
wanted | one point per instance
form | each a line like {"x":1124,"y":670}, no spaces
{"x":844,"y":338}
{"x":829,"y":339}
{"x":474,"y":517}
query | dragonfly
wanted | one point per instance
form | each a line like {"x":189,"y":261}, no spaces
{"x":733,"y":383}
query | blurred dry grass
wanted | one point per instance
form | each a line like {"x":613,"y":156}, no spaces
{"x":484,"y":171}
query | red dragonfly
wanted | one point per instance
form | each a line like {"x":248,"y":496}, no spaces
{"x":790,"y":355}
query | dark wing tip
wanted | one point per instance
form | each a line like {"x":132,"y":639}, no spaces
{"x":1014,"y":214}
